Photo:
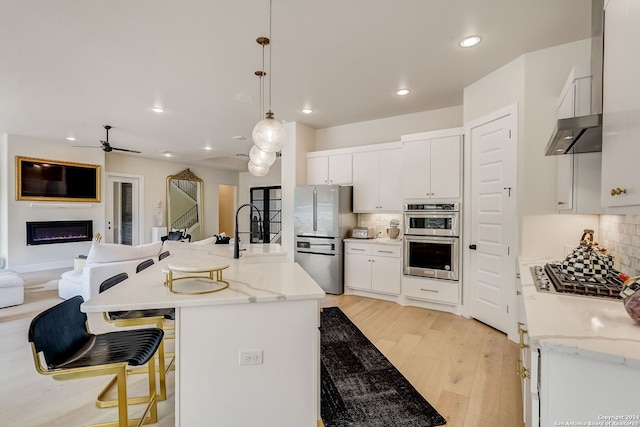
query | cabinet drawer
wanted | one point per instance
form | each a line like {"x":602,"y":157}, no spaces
{"x":387,"y":250}
{"x":444,"y":291}
{"x":357,"y":248}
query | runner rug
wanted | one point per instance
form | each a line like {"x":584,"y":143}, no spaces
{"x":359,"y":386}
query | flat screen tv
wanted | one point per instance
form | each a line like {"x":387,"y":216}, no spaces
{"x":54,"y":180}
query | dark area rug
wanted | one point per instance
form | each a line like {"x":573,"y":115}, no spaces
{"x":359,"y":386}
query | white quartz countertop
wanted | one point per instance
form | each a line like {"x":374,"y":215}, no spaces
{"x":248,"y":283}
{"x":378,"y":241}
{"x":596,"y":328}
{"x":248,"y":250}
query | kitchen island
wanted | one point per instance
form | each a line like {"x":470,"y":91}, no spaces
{"x":583,"y":360}
{"x":245,"y":356}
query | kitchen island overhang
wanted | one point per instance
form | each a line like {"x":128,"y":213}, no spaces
{"x":270,"y":308}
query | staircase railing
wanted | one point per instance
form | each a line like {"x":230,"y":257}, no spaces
{"x":186,"y":220}
{"x":190,"y":188}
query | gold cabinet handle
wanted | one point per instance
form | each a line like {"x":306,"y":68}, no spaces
{"x":521,"y":371}
{"x":618,"y":191}
{"x":561,"y":203}
{"x":521,"y":332}
{"x":429,"y":290}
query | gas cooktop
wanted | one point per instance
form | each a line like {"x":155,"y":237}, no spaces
{"x":551,"y":278}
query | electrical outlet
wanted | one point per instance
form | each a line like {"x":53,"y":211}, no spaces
{"x":250,"y":357}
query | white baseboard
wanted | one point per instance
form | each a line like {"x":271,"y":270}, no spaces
{"x":28,"y":268}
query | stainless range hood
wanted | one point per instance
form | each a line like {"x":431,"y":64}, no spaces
{"x":576,"y":135}
{"x":584,"y":134}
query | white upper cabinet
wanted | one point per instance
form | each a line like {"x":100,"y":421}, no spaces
{"x":621,"y":105}
{"x":431,"y":165}
{"x":575,"y":98}
{"x":578,"y":186}
{"x":329,"y":169}
{"x":376,"y":180}
{"x":578,"y":177}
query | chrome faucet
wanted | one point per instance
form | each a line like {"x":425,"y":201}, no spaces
{"x":236,"y":238}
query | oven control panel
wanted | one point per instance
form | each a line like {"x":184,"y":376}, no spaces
{"x":445,"y":207}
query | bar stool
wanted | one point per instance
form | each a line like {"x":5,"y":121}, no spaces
{"x":63,"y":347}
{"x":136,"y":318}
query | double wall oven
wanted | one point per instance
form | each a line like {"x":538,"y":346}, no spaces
{"x":431,"y":239}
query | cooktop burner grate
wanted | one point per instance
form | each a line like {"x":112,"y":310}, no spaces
{"x":608,"y":286}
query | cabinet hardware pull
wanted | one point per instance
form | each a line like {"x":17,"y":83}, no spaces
{"x":618,"y":191}
{"x":357,"y":249}
{"x":518,"y":293}
{"x":517,"y":275}
{"x":521,"y":371}
{"x":561,"y":203}
{"x":521,"y":332}
{"x":386,"y":252}
{"x":429,"y":290}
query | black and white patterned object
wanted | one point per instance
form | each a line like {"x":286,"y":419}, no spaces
{"x":585,"y":262}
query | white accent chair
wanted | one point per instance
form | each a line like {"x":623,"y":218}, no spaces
{"x":11,"y":288}
{"x":104,"y":261}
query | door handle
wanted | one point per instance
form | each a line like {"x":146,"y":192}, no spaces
{"x":473,"y":247}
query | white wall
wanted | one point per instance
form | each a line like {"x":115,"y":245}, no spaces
{"x":388,"y":129}
{"x":302,"y":139}
{"x":155,"y":174}
{"x":534,"y":82}
{"x":15,"y":253}
{"x":4,"y":196}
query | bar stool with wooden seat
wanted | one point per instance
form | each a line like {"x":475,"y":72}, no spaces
{"x":63,"y":347}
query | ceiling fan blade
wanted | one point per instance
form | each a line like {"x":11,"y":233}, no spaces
{"x":87,"y":146}
{"x":127,"y":150}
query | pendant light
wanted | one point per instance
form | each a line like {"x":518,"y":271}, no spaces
{"x":261,"y":158}
{"x":256,"y":170}
{"x":268,"y":134}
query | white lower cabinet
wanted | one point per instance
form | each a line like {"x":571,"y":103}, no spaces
{"x":587,"y":391}
{"x":435,"y":290}
{"x":527,"y":367}
{"x":373,"y":267}
{"x":561,"y":387}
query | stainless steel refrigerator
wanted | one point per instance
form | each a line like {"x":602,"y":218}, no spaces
{"x":323,"y":216}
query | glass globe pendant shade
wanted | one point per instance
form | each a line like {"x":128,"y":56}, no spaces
{"x":261,"y":158}
{"x":269,"y":135}
{"x":258,"y":170}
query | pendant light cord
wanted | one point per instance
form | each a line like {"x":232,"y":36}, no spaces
{"x":269,"y":55}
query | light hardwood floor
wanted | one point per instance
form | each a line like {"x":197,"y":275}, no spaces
{"x":464,"y":368}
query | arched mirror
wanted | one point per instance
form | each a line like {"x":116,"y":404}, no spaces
{"x":184,"y":204}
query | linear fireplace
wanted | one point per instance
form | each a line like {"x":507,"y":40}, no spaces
{"x":49,"y":232}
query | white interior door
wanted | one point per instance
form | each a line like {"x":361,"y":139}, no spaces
{"x":492,"y":241}
{"x":124,"y":209}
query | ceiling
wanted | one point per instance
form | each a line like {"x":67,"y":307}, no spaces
{"x":68,"y":67}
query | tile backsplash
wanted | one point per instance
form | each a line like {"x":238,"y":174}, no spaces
{"x":379,"y":222}
{"x":620,"y":235}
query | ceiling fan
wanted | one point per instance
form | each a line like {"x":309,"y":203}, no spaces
{"x":106,"y":147}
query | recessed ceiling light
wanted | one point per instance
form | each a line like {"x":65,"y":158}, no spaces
{"x":208,"y":147}
{"x":403,"y":92}
{"x":158,"y":109}
{"x":307,"y":110}
{"x":470,"y":41}
{"x":168,"y":154}
{"x":70,"y":138}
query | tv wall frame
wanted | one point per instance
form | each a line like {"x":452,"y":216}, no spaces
{"x":90,"y":194}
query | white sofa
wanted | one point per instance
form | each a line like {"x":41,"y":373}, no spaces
{"x":104,"y":261}
{"x":11,"y":288}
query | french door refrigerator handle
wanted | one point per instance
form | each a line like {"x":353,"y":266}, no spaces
{"x":315,"y":210}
